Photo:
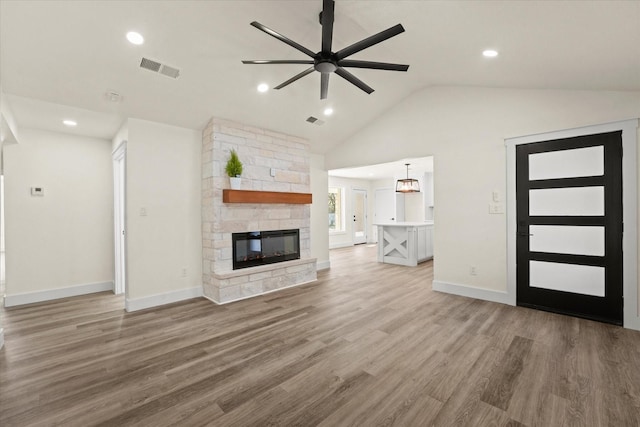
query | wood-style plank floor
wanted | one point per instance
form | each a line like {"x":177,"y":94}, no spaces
{"x":368,"y":344}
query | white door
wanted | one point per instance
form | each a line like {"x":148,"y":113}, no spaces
{"x":359,"y":216}
{"x":119,"y":175}
{"x":385,"y":205}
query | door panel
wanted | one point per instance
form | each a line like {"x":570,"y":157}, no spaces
{"x":359,"y":216}
{"x":569,"y":225}
{"x":579,"y":201}
{"x":567,"y":163}
{"x":580,"y":279}
{"x":567,"y":239}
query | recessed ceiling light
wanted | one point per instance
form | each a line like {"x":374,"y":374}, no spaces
{"x":328,"y":111}
{"x":70,"y":123}
{"x":263,"y":87}
{"x":490,"y":53}
{"x":135,"y":38}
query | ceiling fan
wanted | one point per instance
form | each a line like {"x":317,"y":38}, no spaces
{"x":326,"y":61}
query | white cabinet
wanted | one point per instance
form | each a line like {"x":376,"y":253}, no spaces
{"x":405,"y":243}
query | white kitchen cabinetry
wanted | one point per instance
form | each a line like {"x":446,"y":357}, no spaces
{"x":405,"y":243}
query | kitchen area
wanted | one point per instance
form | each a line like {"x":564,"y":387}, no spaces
{"x":390,"y":205}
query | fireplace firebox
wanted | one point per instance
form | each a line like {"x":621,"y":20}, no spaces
{"x":264,"y":247}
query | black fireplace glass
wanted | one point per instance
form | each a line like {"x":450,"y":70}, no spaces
{"x":264,"y":247}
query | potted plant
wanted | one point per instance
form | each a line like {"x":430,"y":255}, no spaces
{"x":234,"y":170}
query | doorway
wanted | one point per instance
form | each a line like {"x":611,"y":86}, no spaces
{"x":119,"y":219}
{"x":359,"y":216}
{"x":569,"y":215}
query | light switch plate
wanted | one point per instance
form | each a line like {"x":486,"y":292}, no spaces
{"x":496,"y":208}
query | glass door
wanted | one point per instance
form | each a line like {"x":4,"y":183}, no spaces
{"x":569,"y":225}
{"x":359,"y":216}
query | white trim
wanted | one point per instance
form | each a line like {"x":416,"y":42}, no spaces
{"x":162,"y":299}
{"x":470,"y":291}
{"x":260,"y":294}
{"x":1,"y":338}
{"x":52,"y":294}
{"x":323,"y":265}
{"x":629,"y":130}
{"x":119,"y":160}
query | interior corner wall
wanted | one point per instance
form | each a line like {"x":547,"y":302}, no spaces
{"x":163,"y":180}
{"x":64,"y":238}
{"x":319,"y":217}
{"x":464,"y":128}
{"x":121,"y":136}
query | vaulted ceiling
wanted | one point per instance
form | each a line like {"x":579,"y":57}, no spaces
{"x":60,"y":58}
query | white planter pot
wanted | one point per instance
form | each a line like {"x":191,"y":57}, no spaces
{"x":236,"y":182}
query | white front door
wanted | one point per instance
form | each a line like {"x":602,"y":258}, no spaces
{"x":359,"y":216}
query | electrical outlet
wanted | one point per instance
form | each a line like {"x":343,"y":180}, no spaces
{"x":184,"y":272}
{"x":473,"y":270}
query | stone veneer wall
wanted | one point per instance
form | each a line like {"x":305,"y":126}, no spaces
{"x":260,"y":151}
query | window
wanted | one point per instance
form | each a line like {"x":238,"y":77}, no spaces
{"x":336,"y":209}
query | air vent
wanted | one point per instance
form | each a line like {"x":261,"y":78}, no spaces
{"x":315,"y":120}
{"x":158,"y":67}
{"x":150,"y":64}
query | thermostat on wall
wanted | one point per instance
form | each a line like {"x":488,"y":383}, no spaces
{"x":37,"y":191}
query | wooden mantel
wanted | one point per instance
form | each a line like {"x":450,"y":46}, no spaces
{"x":247,"y":196}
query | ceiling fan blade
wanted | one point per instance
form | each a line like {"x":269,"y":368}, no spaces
{"x":324,"y":85}
{"x":372,"y":65}
{"x":353,"y":79}
{"x":283,"y":39}
{"x":294,"y":78}
{"x":278,"y":61}
{"x":327,"y":25}
{"x":370,"y":41}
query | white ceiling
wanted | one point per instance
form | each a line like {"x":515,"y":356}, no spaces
{"x":398,"y":169}
{"x":71,"y":52}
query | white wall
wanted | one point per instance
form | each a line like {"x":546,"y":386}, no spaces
{"x":464,"y":128}
{"x":65,"y":238}
{"x":319,"y":217}
{"x":164,"y":178}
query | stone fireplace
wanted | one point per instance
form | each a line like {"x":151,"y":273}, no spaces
{"x":273,"y":162}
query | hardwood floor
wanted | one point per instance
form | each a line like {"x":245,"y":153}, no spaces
{"x":368,"y":344}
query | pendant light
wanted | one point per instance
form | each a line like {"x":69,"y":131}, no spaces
{"x":408,"y":185}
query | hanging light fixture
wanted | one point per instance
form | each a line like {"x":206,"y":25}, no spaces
{"x":408,"y":185}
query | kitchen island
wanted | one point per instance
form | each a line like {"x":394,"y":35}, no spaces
{"x":405,"y":243}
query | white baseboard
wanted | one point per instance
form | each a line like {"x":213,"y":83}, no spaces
{"x":632,"y":323}
{"x":52,"y":294}
{"x":341,"y":245}
{"x":323,"y":265}
{"x":162,"y":299}
{"x":471,"y":292}
{"x":260,"y":294}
